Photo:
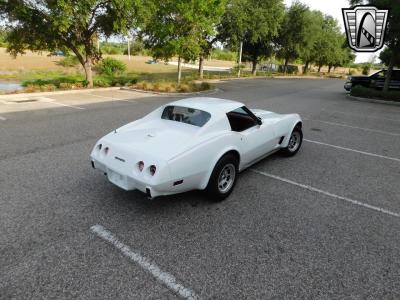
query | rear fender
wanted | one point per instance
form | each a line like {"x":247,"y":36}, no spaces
{"x":214,"y":162}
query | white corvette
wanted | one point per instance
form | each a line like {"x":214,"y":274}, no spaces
{"x":195,"y":143}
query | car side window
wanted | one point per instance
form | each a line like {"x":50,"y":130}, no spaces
{"x":186,"y":115}
{"x":240,"y":119}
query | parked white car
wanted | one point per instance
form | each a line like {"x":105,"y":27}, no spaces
{"x":194,"y":144}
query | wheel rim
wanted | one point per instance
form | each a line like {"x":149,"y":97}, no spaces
{"x":226,"y":178}
{"x":294,"y":141}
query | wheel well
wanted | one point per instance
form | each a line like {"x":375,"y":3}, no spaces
{"x":233,"y":152}
{"x":299,"y":124}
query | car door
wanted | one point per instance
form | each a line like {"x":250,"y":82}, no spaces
{"x":256,"y":138}
{"x":257,"y":141}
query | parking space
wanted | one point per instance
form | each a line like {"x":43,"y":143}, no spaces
{"x":323,"y":224}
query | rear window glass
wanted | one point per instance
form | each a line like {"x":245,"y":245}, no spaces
{"x":186,"y":115}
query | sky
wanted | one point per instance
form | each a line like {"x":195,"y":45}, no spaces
{"x":334,"y":8}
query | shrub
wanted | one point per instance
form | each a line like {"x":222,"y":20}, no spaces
{"x":184,"y":88}
{"x":59,"y":82}
{"x":101,"y":83}
{"x":110,"y":66}
{"x":68,"y":61}
{"x":360,"y":91}
{"x":205,"y":86}
{"x":48,"y":88}
{"x":65,"y":85}
{"x":31,"y":88}
{"x":123,"y":81}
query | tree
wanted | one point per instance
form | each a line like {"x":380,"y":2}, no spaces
{"x":63,"y":24}
{"x":255,"y":23}
{"x":213,"y":11}
{"x":386,"y":56}
{"x":392,"y":39}
{"x":296,"y":33}
{"x":313,"y":32}
{"x":327,"y":47}
{"x":180,"y":28}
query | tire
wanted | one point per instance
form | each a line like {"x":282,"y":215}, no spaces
{"x":223,"y":178}
{"x":295,"y":141}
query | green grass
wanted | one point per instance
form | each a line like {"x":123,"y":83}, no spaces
{"x":359,"y":91}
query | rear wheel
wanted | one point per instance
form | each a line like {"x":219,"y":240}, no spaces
{"x":295,"y":141}
{"x":223,"y":177}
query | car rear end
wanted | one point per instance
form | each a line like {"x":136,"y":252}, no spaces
{"x":132,"y":169}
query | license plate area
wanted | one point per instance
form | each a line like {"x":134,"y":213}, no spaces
{"x":118,"y":179}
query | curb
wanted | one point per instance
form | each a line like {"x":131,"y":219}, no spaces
{"x":208,"y":92}
{"x":78,"y":91}
{"x":370,"y":100}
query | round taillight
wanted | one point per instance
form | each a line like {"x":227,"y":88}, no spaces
{"x":140,"y":165}
{"x":152,"y":170}
{"x":106,"y":149}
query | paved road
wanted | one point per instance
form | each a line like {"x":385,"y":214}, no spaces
{"x":323,"y":224}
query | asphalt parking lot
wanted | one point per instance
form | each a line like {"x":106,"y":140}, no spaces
{"x":324,"y":224}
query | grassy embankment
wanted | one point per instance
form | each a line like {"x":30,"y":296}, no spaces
{"x":39,"y":72}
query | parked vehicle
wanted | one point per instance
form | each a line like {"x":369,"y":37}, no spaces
{"x":196,"y":143}
{"x":376,"y":80}
{"x":56,"y":53}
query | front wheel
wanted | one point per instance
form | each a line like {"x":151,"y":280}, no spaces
{"x":295,"y":141}
{"x":223,"y":177}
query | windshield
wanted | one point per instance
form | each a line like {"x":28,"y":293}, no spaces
{"x":186,"y":115}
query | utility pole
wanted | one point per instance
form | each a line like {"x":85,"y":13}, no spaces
{"x":129,"y":48}
{"x":129,"y":45}
{"x":240,"y":58}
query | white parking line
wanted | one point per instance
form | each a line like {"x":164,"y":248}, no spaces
{"x":313,"y":189}
{"x":49,"y":100}
{"x":355,"y":127}
{"x":106,"y":97}
{"x":353,"y":150}
{"x":361,"y":115}
{"x":167,"y":279}
{"x":2,"y":118}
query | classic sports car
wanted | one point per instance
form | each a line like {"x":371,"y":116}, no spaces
{"x":195,"y":143}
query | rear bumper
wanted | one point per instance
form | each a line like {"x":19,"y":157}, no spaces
{"x":130,"y":183}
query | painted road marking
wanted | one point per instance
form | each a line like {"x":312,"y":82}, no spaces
{"x":106,"y":97}
{"x":361,"y":115}
{"x":353,"y":150}
{"x":313,"y":189}
{"x":167,"y":279}
{"x":356,"y":127}
{"x":49,"y":100}
{"x":115,"y":98}
{"x":2,"y":118}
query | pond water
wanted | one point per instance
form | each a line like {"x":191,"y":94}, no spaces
{"x":9,"y":86}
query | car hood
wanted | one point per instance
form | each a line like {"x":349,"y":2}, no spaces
{"x":264,"y":114}
{"x":162,"y":140}
{"x":359,"y":77}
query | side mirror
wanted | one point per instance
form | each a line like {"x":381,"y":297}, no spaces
{"x":259,"y":121}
